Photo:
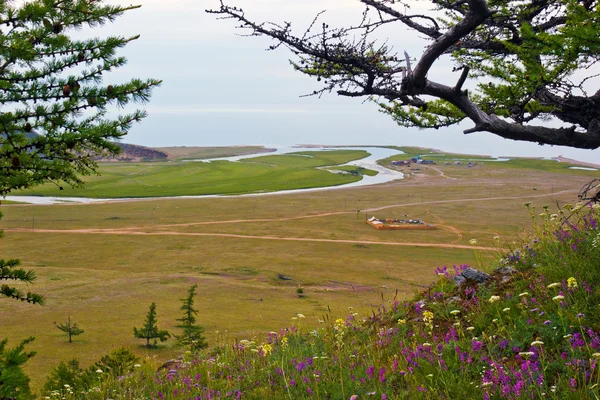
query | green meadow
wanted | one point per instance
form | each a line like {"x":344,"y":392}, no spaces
{"x":103,"y":264}
{"x":178,"y":178}
{"x":515,"y":163}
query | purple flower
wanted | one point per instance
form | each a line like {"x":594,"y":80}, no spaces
{"x":370,"y":372}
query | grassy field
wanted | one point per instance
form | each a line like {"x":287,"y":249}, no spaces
{"x":537,"y":164}
{"x":103,"y":264}
{"x":260,"y":174}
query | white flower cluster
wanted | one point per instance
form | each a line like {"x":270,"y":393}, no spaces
{"x":596,"y":241}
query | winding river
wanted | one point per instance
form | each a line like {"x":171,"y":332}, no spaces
{"x":376,"y":153}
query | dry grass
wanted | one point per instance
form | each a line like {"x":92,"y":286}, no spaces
{"x":106,"y":281}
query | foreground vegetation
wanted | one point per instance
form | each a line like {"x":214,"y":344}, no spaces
{"x":101,"y":263}
{"x":531,"y":330}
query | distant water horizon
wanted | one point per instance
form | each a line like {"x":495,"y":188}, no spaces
{"x":324,"y":125}
{"x":583,"y":156}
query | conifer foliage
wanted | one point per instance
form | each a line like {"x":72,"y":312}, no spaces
{"x":150,"y":329}
{"x":526,"y":61}
{"x":10,"y":272}
{"x":14,"y":383}
{"x":192,"y":333}
{"x":54,"y":107}
{"x":53,"y":98}
{"x":71,"y":329}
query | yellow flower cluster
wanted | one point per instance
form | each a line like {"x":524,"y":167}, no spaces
{"x":428,"y":318}
{"x":572,"y":283}
{"x":266,"y":349}
{"x":340,"y":331}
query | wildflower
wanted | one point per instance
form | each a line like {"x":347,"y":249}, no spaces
{"x":301,"y":316}
{"x":426,"y":344}
{"x":67,"y":386}
{"x":495,"y":320}
{"x":507,"y":309}
{"x":401,"y":321}
{"x":537,"y":343}
{"x":354,"y":397}
{"x":428,"y":316}
{"x":567,"y":336}
{"x":580,"y":315}
{"x":572,"y":283}
{"x":471,"y":328}
{"x":558,"y":298}
{"x":473,"y":242}
{"x":526,"y":353}
{"x":496,"y":237}
{"x":523,"y":294}
{"x":572,"y":382}
{"x":454,"y":312}
{"x":99,"y":371}
{"x":137,"y":366}
{"x":553,"y":285}
{"x":596,"y":355}
{"x":494,"y":299}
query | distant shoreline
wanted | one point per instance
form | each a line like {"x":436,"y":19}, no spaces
{"x":577,"y":162}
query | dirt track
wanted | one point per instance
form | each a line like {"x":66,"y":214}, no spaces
{"x":228,"y":235}
{"x":140,"y":230}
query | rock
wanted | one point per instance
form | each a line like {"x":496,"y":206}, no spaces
{"x":471,"y":274}
{"x":475,"y":275}
{"x":506,"y":270}
{"x":459,"y":280}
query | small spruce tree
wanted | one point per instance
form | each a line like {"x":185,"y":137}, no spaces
{"x":192,"y":333}
{"x":70,"y":329}
{"x":150,"y":329}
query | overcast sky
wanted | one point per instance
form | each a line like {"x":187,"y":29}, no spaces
{"x":223,"y":89}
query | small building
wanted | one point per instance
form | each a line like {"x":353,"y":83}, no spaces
{"x":401,"y":162}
